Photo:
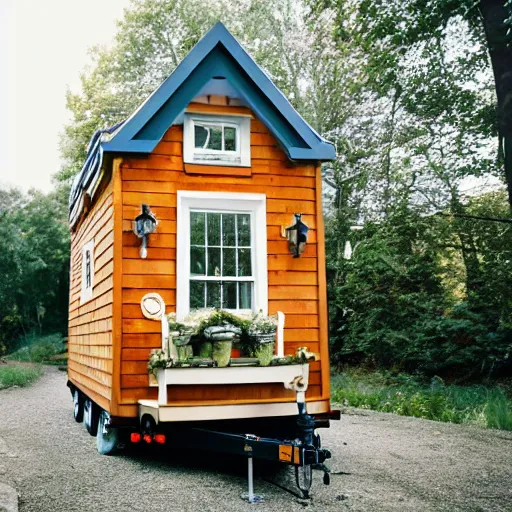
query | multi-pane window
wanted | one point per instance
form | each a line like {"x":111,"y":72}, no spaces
{"x":215,"y":137}
{"x":217,"y":140}
{"x":221,"y":260}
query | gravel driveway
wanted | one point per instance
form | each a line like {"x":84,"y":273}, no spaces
{"x":380,"y":462}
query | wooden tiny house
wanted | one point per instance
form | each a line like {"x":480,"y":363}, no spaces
{"x":224,"y":162}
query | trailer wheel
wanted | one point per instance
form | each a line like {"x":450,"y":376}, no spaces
{"x":78,"y":406}
{"x":90,"y":417}
{"x":304,"y":478}
{"x":107,"y":438}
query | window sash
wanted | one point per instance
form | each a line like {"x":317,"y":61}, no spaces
{"x":223,"y":151}
{"x":87,"y":269}
{"x":221,"y":299}
{"x":219,"y":233}
{"x":241,"y":157}
{"x":221,"y":202}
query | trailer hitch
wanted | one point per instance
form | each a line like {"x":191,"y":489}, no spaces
{"x":313,"y":455}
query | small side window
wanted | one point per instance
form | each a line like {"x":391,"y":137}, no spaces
{"x":217,"y":140}
{"x":87,"y":271}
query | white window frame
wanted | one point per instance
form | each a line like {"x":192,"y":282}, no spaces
{"x":239,"y":158}
{"x":254,"y":204}
{"x":86,"y":291}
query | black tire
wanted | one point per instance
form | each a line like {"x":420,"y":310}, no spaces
{"x":91,"y":414}
{"x":78,"y":406}
{"x":107,"y":439}
{"x":304,"y":479}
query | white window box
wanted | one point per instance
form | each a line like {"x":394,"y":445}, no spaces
{"x":286,"y":374}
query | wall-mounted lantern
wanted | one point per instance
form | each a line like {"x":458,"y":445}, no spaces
{"x":143,"y":225}
{"x":297,"y":236}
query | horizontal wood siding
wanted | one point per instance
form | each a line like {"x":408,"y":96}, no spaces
{"x":90,"y":324}
{"x":293,"y":282}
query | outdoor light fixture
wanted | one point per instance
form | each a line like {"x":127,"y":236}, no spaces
{"x":143,"y":225}
{"x":297,"y":236}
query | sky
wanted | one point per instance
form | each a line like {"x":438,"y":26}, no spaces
{"x":43,"y":49}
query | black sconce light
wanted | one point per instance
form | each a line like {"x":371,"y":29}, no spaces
{"x":143,"y":225}
{"x":297,"y":236}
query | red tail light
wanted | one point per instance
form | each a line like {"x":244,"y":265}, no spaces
{"x":135,"y":437}
{"x":147,"y":438}
{"x":159,"y":438}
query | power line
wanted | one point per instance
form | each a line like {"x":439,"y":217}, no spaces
{"x":477,"y":217}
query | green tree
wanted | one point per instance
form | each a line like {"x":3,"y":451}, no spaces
{"x":297,"y":50}
{"x":34,"y":261}
{"x":398,"y":33}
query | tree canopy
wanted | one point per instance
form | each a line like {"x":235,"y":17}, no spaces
{"x":414,"y":94}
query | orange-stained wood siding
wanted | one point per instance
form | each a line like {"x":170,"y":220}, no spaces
{"x":90,"y":346}
{"x":294,"y":286}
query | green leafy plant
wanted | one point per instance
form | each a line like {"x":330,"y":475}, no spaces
{"x":262,"y":324}
{"x":406,"y":395}
{"x":18,"y":375}
{"x":158,"y":359}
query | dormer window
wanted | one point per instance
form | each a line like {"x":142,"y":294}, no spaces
{"x":217,"y":140}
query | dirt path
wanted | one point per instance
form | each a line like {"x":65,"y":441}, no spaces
{"x":389,"y":463}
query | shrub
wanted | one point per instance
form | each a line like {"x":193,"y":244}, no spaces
{"x":18,"y":375}
{"x":38,"y":349}
{"x":484,"y":406}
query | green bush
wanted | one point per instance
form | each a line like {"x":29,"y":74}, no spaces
{"x":18,"y":375}
{"x":38,"y":349}
{"x":408,"y":299}
{"x":484,"y":406}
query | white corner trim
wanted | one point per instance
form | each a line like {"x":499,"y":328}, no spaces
{"x":86,"y":293}
{"x":256,"y":205}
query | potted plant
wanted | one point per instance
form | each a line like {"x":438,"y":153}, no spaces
{"x":219,"y":330}
{"x":180,"y":335}
{"x":262,"y":335}
{"x":158,"y":359}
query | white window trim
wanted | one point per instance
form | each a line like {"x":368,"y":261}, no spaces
{"x":86,"y":292}
{"x":256,"y":204}
{"x":243,"y":124}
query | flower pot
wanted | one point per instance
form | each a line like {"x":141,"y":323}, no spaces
{"x":263,"y":347}
{"x":184,"y":352}
{"x":205,"y":349}
{"x":263,"y":338}
{"x":235,"y":353}
{"x":221,"y":352}
{"x":180,"y":341}
{"x":264,"y":352}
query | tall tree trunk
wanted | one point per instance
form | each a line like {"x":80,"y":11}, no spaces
{"x":499,"y":42}
{"x":468,"y":249}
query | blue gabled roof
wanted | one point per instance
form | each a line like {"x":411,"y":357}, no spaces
{"x":218,"y":53}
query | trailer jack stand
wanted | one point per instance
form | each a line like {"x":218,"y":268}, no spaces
{"x":250,"y":496}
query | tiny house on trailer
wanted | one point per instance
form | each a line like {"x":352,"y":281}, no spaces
{"x":186,"y":205}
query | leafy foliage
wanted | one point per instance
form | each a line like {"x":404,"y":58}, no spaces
{"x":35,"y":253}
{"x":38,"y":349}
{"x":18,"y":375}
{"x":405,"y":91}
{"x":479,"y":405}
{"x":403,"y":300}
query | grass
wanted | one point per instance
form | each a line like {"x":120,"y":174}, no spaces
{"x":39,"y":349}
{"x":18,"y":375}
{"x":483,"y":406}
